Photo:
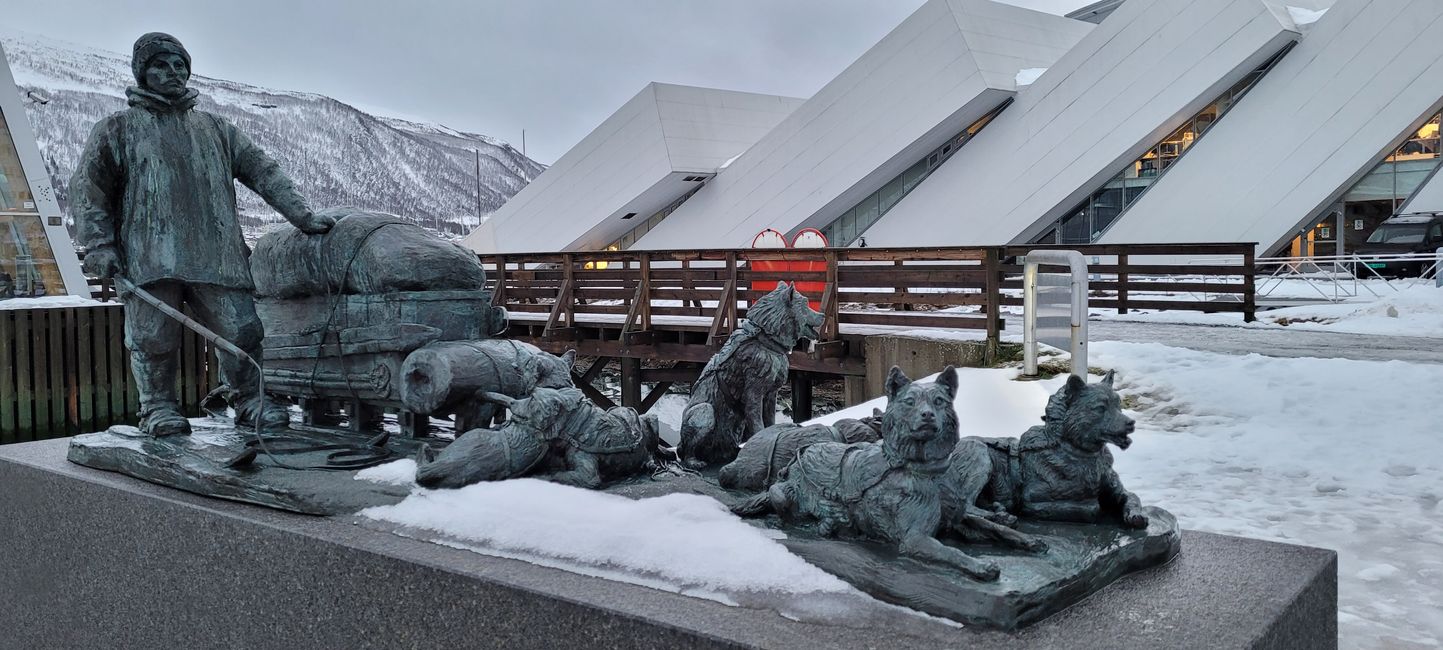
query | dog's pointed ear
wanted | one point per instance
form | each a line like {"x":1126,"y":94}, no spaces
{"x":569,"y":358}
{"x":948,"y":381}
{"x":1075,"y":386}
{"x":1107,"y":379}
{"x":876,"y":413}
{"x":896,"y":381}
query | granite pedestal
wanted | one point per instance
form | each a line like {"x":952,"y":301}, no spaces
{"x":95,"y":559}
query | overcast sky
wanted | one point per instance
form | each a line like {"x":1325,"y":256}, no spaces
{"x":555,"y":68}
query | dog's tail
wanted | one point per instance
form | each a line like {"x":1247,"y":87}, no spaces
{"x":756,"y":506}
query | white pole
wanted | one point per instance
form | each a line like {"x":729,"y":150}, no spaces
{"x":1029,"y":320}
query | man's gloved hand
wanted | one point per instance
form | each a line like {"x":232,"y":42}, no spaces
{"x":315,"y":224}
{"x":102,"y":262}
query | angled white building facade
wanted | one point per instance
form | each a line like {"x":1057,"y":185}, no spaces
{"x":657,"y":148}
{"x":1298,"y":125}
{"x":37,"y":258}
{"x":945,"y":68}
{"x":1147,"y":70}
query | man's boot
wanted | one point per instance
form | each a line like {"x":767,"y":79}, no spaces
{"x":272,"y":416}
{"x":159,"y":409}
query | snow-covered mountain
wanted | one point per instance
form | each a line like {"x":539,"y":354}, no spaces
{"x":336,"y":153}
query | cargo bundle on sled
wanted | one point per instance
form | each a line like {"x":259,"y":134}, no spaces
{"x":343,"y":312}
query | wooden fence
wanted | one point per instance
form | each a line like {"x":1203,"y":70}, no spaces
{"x":65,"y":371}
{"x":953,"y":288}
{"x":1194,"y":277}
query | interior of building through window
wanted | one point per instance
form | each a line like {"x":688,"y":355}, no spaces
{"x":27,"y":264}
{"x":848,"y":227}
{"x":640,"y":230}
{"x":1087,"y":222}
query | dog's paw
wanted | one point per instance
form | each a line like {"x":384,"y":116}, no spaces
{"x":1134,"y":519}
{"x":1002,"y":519}
{"x":985,"y":572}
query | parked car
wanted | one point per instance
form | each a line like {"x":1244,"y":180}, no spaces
{"x":1401,"y":236}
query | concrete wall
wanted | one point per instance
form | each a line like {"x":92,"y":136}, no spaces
{"x":1366,"y":74}
{"x":941,"y":69}
{"x":661,"y":135}
{"x":1149,"y":67}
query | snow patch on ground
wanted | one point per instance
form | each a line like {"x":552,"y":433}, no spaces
{"x":1411,"y":311}
{"x":50,"y":302}
{"x":1028,"y":76}
{"x":1324,"y":452}
{"x":680,"y":542}
{"x":396,"y":472}
{"x":1302,"y":16}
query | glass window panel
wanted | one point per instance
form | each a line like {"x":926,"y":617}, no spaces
{"x":913,"y":176}
{"x":867,"y":213}
{"x":14,"y":190}
{"x":27,"y":263}
{"x":846,"y":228}
{"x":891,"y":193}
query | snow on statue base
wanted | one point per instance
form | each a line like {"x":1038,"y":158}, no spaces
{"x":198,"y":463}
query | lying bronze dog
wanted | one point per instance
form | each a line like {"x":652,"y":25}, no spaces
{"x":888,"y":491}
{"x":552,"y":428}
{"x":1060,"y":471}
{"x":763,"y":457}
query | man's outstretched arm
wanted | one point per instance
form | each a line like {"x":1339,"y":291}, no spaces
{"x":261,"y":173}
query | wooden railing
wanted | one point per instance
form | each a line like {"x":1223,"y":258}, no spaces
{"x":1163,"y":277}
{"x":909,"y":287}
{"x":952,"y":288}
{"x":65,"y":371}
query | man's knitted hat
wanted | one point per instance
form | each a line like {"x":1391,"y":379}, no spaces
{"x":151,"y":45}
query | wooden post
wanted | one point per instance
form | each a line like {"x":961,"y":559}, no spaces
{"x":1122,"y":283}
{"x":84,"y":370}
{"x":831,"y":311}
{"x":498,"y":295}
{"x":418,"y":426}
{"x":630,"y":382}
{"x":1250,"y":287}
{"x":731,"y":306}
{"x":801,"y":396}
{"x":570,"y":281}
{"x":645,"y":285}
{"x":8,"y":398}
{"x":993,"y":309}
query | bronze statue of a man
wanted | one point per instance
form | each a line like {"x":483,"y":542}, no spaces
{"x":153,"y":199}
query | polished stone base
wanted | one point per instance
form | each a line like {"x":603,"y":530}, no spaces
{"x":96,"y":559}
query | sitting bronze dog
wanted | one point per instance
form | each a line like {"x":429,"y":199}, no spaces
{"x":736,"y":395}
{"x":1060,"y":471}
{"x":888,"y":491}
{"x":552,"y":428}
{"x":762,"y":458}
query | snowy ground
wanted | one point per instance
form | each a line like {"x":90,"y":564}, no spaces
{"x":1413,"y":311}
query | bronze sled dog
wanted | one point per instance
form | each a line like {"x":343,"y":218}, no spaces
{"x":1060,"y":471}
{"x":888,"y":491}
{"x":736,"y":395}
